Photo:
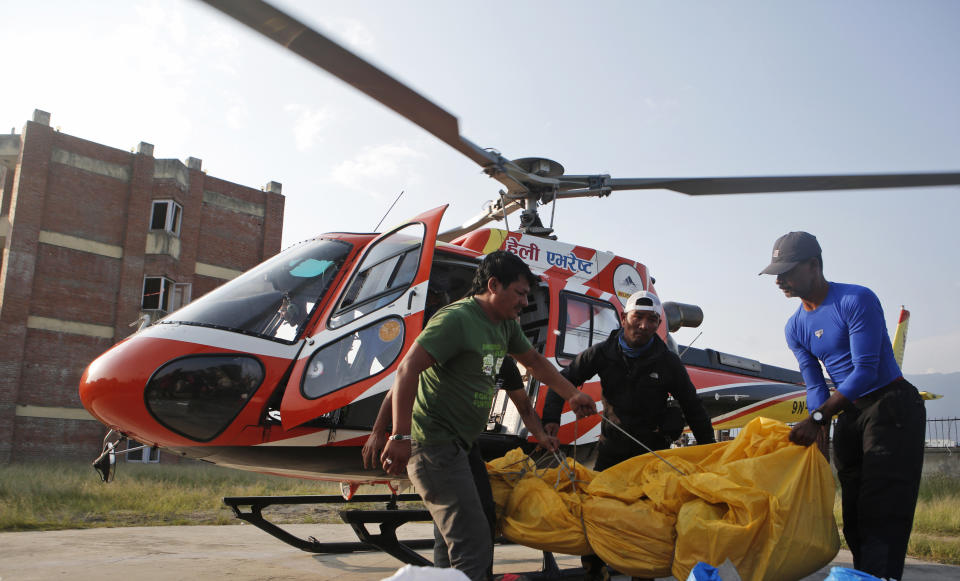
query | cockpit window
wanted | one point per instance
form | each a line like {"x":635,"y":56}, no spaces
{"x":275,"y":299}
{"x":385,"y":273}
{"x":198,"y":396}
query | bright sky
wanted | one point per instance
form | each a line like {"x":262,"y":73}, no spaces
{"x":633,"y":89}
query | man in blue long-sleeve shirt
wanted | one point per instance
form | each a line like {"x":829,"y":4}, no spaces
{"x":879,"y":435}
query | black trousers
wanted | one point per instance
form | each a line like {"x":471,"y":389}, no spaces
{"x":878,"y":452}
{"x":615,"y":447}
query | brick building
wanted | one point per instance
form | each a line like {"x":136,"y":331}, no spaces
{"x":94,"y":238}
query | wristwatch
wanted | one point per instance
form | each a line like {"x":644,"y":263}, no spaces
{"x":399,"y":437}
{"x":819,"y":418}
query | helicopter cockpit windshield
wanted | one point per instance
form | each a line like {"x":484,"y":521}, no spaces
{"x":275,"y":299}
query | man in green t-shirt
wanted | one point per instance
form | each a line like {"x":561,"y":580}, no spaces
{"x":442,"y":395}
{"x":509,"y":380}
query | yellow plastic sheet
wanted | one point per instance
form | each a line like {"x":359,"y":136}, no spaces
{"x":760,"y":501}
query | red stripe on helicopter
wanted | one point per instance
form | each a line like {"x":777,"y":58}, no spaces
{"x":557,"y":272}
{"x":584,"y":253}
{"x":703,"y":378}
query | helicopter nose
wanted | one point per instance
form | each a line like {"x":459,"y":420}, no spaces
{"x":111,"y":387}
{"x":161,"y":391}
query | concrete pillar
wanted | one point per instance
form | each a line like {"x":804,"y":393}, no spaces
{"x":139,"y":205}
{"x":191,"y":224}
{"x":272,"y":224}
{"x":274,"y":187}
{"x":17,"y":272}
{"x":41,"y":117}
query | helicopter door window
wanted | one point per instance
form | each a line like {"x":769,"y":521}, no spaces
{"x":449,"y":281}
{"x":584,"y":322}
{"x":383,"y":275}
{"x":357,"y":356}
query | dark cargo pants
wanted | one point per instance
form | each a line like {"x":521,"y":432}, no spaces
{"x":878,"y":452}
{"x":481,"y":479}
{"x":442,"y":476}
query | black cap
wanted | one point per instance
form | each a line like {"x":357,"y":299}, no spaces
{"x":790,"y":250}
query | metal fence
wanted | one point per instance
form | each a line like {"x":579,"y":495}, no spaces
{"x":943,"y":432}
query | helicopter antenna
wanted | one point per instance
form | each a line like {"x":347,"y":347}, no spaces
{"x":687,"y":348}
{"x":553,"y":209}
{"x":377,"y":227}
{"x":503,"y":204}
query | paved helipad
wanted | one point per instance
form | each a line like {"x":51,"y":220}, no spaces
{"x":242,"y":552}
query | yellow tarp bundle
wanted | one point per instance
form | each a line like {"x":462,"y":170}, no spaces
{"x":760,"y":501}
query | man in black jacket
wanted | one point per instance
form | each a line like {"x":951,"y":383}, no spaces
{"x":637,"y":374}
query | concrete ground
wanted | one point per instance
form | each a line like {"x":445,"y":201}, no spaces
{"x":242,"y":553}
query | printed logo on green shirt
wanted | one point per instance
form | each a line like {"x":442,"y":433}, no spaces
{"x":492,"y":358}
{"x":483,"y":400}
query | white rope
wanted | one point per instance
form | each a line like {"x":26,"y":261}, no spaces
{"x":645,"y":447}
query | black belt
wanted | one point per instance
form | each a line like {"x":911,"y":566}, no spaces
{"x":870,"y":398}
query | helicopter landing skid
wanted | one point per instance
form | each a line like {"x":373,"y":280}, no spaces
{"x":389,"y":520}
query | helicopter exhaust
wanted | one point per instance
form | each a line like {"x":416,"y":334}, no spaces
{"x":682,"y":315}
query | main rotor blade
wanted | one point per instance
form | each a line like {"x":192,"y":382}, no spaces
{"x":772,"y":184}
{"x":350,"y":68}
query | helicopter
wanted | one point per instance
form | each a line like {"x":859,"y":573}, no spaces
{"x":282,"y":370}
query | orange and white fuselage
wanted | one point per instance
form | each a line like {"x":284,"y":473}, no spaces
{"x":283,"y":369}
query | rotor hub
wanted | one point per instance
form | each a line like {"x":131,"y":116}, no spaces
{"x":540,"y":166}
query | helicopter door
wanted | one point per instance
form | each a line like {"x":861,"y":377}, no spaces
{"x":374,"y":322}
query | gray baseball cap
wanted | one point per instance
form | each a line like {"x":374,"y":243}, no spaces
{"x":790,"y":250}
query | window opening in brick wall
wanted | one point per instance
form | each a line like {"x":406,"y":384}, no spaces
{"x":156,"y":293}
{"x":181,"y":295}
{"x":166,"y":216}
